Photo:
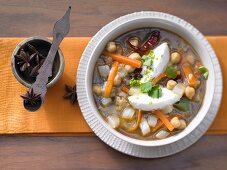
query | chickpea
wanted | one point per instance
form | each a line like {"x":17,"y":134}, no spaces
{"x":182,"y":124}
{"x":117,"y":80}
{"x":123,"y":94}
{"x":134,"y":41}
{"x":175,"y":122}
{"x":175,"y":57}
{"x":171,"y":84}
{"x":111,"y":47}
{"x":135,"y":56}
{"x":121,"y":103}
{"x":189,"y":92}
{"x":108,"y":60}
{"x":129,"y":68}
{"x":97,"y":89}
{"x":190,"y":58}
{"x":119,"y":49}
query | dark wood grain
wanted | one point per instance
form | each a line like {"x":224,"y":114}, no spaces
{"x":26,"y":18}
{"x":91,"y":153}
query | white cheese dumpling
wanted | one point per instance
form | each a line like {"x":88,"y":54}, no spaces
{"x":144,"y":102}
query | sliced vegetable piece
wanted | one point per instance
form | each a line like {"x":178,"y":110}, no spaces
{"x":158,"y":78}
{"x":152,"y":120}
{"x":124,"y":59}
{"x":191,"y":79}
{"x":110,"y":79}
{"x":162,"y":117}
{"x":125,"y":89}
{"x":144,"y":127}
{"x":128,"y":113}
{"x":162,"y":134}
{"x":139,"y":117}
{"x":171,"y":72}
{"x":182,"y":105}
{"x":113,"y":121}
{"x":204,"y":71}
{"x":104,"y":71}
{"x":179,"y":89}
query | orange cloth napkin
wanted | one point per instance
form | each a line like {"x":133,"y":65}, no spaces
{"x":58,"y":116}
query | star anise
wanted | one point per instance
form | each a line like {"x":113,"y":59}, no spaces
{"x":35,"y":69}
{"x":31,"y":98}
{"x":70,"y":93}
{"x":35,"y":53}
{"x":24,"y":60}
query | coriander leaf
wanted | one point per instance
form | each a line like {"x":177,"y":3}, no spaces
{"x":204,"y":71}
{"x":145,"y":87}
{"x":171,"y":72}
{"x":182,"y":105}
{"x":134,"y":83}
{"x":148,"y":59}
{"x":155,"y":92}
{"x":148,"y":62}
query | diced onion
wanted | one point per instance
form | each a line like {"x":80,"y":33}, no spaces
{"x":104,"y":71}
{"x":113,"y":121}
{"x":152,"y":120}
{"x":167,"y":109}
{"x":179,"y":89}
{"x":144,"y":127}
{"x":128,"y":113}
{"x":162,"y":134}
{"x":106,"y":101}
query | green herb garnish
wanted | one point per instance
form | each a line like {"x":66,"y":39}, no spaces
{"x":182,"y":105}
{"x":171,"y":72}
{"x":145,"y":87}
{"x":155,"y":92}
{"x":134,"y":83}
{"x":148,"y":59}
{"x":204,"y":71}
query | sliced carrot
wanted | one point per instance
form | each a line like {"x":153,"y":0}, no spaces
{"x":178,"y":72}
{"x":158,"y":78}
{"x":124,"y":59}
{"x":139,"y":118}
{"x":158,"y":126}
{"x":189,"y":75}
{"x":162,"y":117}
{"x":110,"y":80}
{"x":125,"y":89}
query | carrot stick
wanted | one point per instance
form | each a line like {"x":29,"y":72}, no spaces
{"x":110,"y":80}
{"x":158,"y":126}
{"x":125,"y":89}
{"x":124,"y":59}
{"x":139,"y":117}
{"x":162,"y":117}
{"x":158,"y":78}
{"x":192,"y":80}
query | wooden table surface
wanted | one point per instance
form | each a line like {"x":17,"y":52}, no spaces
{"x":27,"y":18}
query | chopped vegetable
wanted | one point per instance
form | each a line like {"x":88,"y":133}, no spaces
{"x":124,"y":59}
{"x":148,"y":59}
{"x":162,"y":134}
{"x":128,"y":113}
{"x":158,"y":126}
{"x":171,"y":72}
{"x":155,"y":92}
{"x":139,"y":117}
{"x":144,"y":127}
{"x":106,"y":101}
{"x":110,"y":79}
{"x":179,"y":89}
{"x":192,"y":80}
{"x":104,"y":71}
{"x":152,"y":120}
{"x":204,"y":71}
{"x":158,"y":78}
{"x":113,"y":121}
{"x":182,"y":105}
{"x":125,"y":89}
{"x":134,"y":82}
{"x":162,"y":117}
{"x":145,"y":87}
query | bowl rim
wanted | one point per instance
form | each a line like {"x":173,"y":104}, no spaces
{"x":89,"y":112}
{"x":23,"y":42}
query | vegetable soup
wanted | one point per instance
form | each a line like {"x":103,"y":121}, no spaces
{"x":149,"y":83}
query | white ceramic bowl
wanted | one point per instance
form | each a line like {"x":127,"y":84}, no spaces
{"x":141,"y":148}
